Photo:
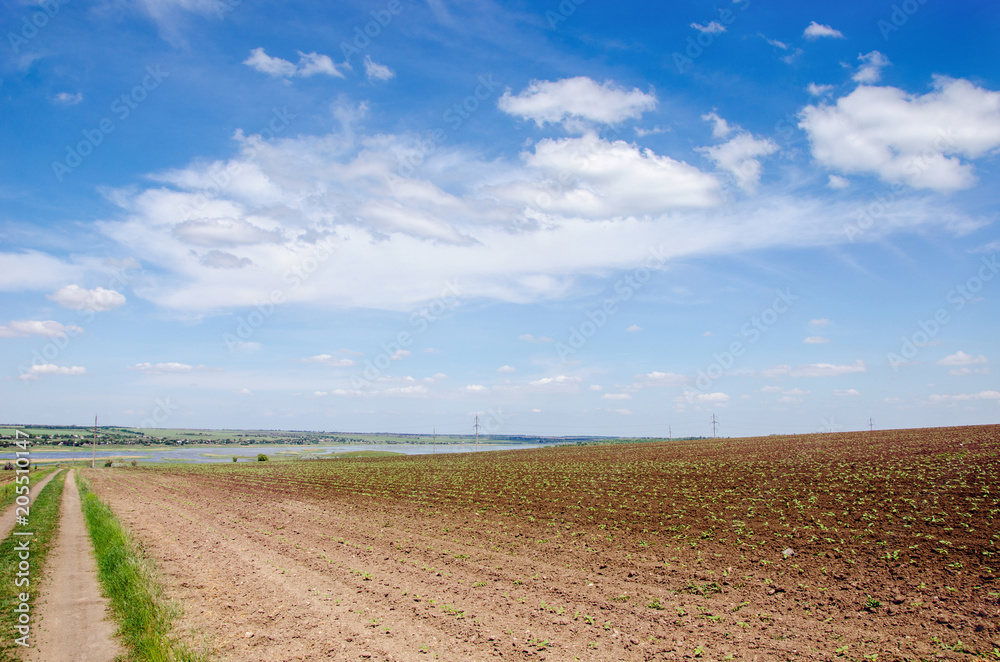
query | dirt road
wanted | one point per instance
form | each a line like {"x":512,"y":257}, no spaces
{"x":73,"y":622}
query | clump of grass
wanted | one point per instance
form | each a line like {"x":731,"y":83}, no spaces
{"x":129,"y":582}
{"x":43,"y":519}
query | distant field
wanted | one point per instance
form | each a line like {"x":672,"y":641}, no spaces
{"x":880,"y":545}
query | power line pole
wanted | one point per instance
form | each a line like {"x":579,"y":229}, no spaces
{"x":477,"y":433}
{"x":871,"y":425}
{"x":435,"y":442}
{"x":714,"y":422}
{"x":670,"y":434}
{"x":93,"y":457}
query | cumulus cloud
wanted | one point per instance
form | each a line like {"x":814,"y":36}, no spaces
{"x":309,"y":64}
{"x":224,"y":232}
{"x":837,"y":182}
{"x":846,"y":392}
{"x":818,"y":90}
{"x":37,"y":370}
{"x":917,"y":140}
{"x":871,"y":67}
{"x":616,"y":396}
{"x":589,"y":177}
{"x":98,"y":299}
{"x":573,"y":101}
{"x":713,"y":27}
{"x":815,"y":340}
{"x":375,"y":71}
{"x":815,"y":370}
{"x":703,"y":398}
{"x":659,"y":379}
{"x":46,"y":328}
{"x":961,"y":358}
{"x":817,"y":31}
{"x":740,"y":157}
{"x":634,"y":328}
{"x":329,"y":360}
{"x":506,"y":368}
{"x":720,"y":127}
{"x":527,"y":337}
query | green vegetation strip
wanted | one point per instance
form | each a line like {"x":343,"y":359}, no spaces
{"x":8,"y":489}
{"x":129,"y":581}
{"x":42,"y":520}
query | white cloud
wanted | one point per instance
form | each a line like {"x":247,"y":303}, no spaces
{"x":816,"y":30}
{"x":837,"y":182}
{"x":309,"y":64}
{"x":527,"y":337}
{"x":819,"y":322}
{"x":576,"y":100}
{"x":506,"y":368}
{"x":623,"y":412}
{"x":818,"y":90}
{"x":961,"y":358}
{"x":431,"y":350}
{"x":246,"y":346}
{"x":616,"y":396}
{"x":224,"y":233}
{"x":558,"y":380}
{"x":536,"y":411}
{"x":169,"y":367}
{"x":634,"y":328}
{"x":329,"y":360}
{"x":912,"y":139}
{"x":720,"y":127}
{"x":51,"y":369}
{"x":871,"y":67}
{"x":98,"y":299}
{"x":400,"y":354}
{"x":375,"y":71}
{"x":712,"y":28}
{"x":46,"y":328}
{"x":246,"y":391}
{"x":815,"y":340}
{"x":476,"y":388}
{"x":740,"y":156}
{"x":595,"y":387}
{"x":965,"y":397}
{"x":815,"y":370}
{"x":67,"y":99}
{"x":589,"y":177}
{"x":31,"y":270}
{"x":846,"y":392}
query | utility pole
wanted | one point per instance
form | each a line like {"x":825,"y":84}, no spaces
{"x":434,"y":443}
{"x":477,"y":433}
{"x":871,"y":425}
{"x":93,"y":457}
{"x":670,"y":434}
{"x":714,"y":422}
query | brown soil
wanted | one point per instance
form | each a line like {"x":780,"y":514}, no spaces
{"x":72,"y":620}
{"x":640,"y":552}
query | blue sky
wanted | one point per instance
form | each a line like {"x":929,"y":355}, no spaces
{"x":569,"y":218}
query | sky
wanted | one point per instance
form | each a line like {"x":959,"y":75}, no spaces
{"x":567,"y":218}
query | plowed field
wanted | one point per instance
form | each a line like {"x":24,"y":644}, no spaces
{"x":814,"y":547}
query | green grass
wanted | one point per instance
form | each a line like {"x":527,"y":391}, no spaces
{"x":43,"y":518}
{"x":129,"y":581}
{"x":7,"y":493}
{"x":367,"y":454}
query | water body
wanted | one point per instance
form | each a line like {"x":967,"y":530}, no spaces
{"x":207,"y":454}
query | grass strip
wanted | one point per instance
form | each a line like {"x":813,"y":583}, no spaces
{"x":7,"y":490}
{"x":129,"y":581}
{"x":43,"y":520}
